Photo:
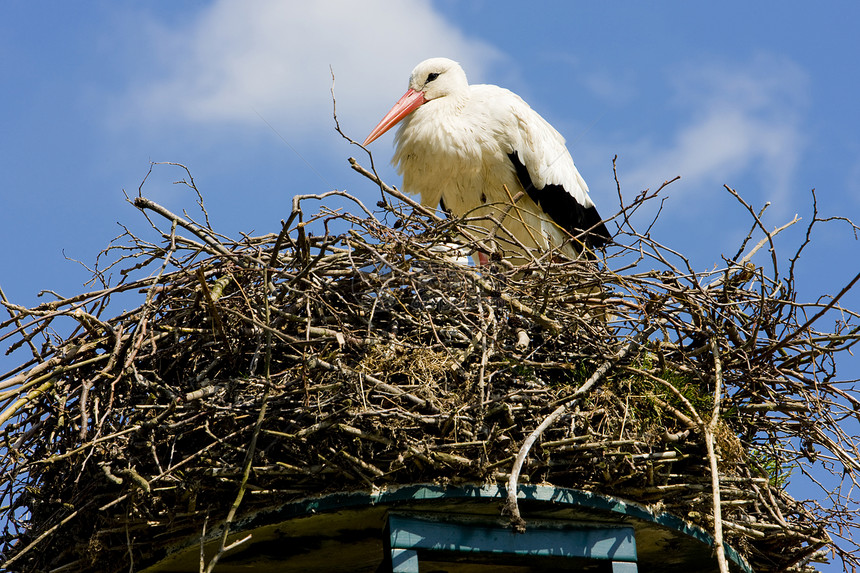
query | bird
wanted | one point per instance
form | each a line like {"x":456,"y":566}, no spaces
{"x":480,"y":151}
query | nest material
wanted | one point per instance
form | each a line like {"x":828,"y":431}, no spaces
{"x":271,"y":368}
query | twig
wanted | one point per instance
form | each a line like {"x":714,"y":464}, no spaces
{"x":144,"y":203}
{"x":709,"y":431}
{"x":246,"y":472}
{"x":511,"y":505}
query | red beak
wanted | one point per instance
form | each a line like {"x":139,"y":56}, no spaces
{"x":410,"y":101}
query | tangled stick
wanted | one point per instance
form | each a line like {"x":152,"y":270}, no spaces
{"x":511,"y":505}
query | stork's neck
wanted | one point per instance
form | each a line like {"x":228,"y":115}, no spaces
{"x":444,"y":112}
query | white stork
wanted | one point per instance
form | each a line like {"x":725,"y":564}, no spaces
{"x":471,"y":149}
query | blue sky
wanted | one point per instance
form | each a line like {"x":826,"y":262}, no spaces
{"x":760,"y":96}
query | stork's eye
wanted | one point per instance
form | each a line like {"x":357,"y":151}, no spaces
{"x":431,"y":77}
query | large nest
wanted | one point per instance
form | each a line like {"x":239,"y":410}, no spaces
{"x":270,"y":368}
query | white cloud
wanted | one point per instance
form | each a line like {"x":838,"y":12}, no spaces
{"x":271,"y":57}
{"x":740,"y":121}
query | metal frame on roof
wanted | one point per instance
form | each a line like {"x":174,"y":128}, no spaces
{"x":527,"y":493}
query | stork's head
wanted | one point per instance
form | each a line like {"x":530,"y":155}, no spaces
{"x":431,"y":79}
{"x":438,"y":77}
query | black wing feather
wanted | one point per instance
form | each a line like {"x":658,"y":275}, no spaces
{"x":562,"y":208}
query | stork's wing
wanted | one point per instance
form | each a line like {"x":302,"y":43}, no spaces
{"x":547,"y":173}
